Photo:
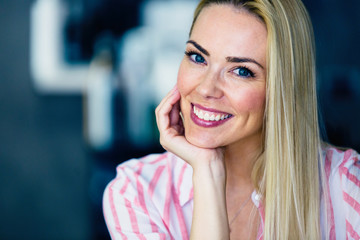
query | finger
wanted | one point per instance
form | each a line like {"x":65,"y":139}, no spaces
{"x":163,"y":110}
{"x":167,"y":104}
{"x":174,"y":114}
{"x":165,"y":99}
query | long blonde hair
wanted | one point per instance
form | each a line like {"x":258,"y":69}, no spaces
{"x":288,"y":173}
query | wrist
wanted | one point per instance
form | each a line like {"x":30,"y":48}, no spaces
{"x":210,"y":171}
{"x":208,"y":181}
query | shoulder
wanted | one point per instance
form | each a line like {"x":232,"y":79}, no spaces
{"x":144,"y":194}
{"x":151,"y":175}
{"x":343,"y":164}
{"x":341,"y":161}
{"x":342,"y":168}
{"x":151,"y":171}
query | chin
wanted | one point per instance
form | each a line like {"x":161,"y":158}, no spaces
{"x":202,"y":142}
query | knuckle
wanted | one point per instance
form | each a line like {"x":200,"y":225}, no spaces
{"x":162,"y":143}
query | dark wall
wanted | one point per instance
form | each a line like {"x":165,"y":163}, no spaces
{"x":44,"y":168}
{"x":337,"y":33}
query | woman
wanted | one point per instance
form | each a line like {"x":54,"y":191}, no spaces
{"x":244,"y":160}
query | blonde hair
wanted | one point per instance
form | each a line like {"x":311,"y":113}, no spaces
{"x":289,"y":172}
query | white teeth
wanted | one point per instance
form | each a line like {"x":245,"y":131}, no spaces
{"x":207,"y":117}
{"x":201,"y":115}
{"x":195,"y":110}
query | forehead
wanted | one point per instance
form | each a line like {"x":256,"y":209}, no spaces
{"x":231,"y":30}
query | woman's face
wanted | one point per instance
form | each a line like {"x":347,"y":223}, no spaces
{"x":222,"y":78}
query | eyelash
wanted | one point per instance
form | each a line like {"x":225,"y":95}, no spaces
{"x":250,"y":73}
{"x":191,"y":52}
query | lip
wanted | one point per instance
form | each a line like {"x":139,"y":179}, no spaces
{"x":208,"y":109}
{"x":205,"y":123}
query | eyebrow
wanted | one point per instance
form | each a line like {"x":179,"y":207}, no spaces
{"x":241,"y":60}
{"x":229,"y":59}
{"x":200,"y":48}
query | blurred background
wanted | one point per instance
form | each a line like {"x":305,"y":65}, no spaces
{"x":80,"y":80}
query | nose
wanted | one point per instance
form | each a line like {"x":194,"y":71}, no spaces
{"x":209,"y":87}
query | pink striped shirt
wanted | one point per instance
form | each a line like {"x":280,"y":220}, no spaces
{"x":152,"y":197}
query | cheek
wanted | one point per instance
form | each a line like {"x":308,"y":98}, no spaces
{"x":181,"y":79}
{"x":184,"y":79}
{"x":182,"y":84}
{"x":251,"y":100}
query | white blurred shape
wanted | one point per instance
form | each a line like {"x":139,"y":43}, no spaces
{"x":49,"y":71}
{"x":99,"y":103}
{"x":169,"y":24}
{"x":150,"y":58}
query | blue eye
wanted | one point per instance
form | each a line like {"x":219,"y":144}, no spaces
{"x":195,"y":57}
{"x":243,"y":72}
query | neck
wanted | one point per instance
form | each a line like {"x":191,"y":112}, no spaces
{"x":240,"y":159}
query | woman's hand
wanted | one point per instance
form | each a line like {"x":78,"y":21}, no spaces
{"x":172,"y":137}
{"x":210,"y":219}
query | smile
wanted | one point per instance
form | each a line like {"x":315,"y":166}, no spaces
{"x":208,"y":117}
